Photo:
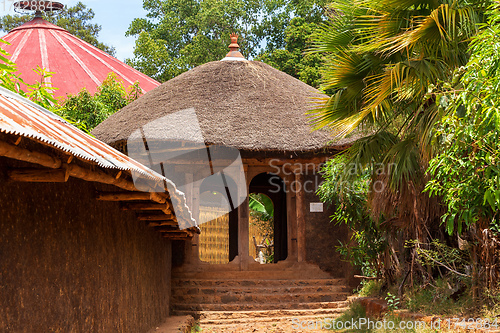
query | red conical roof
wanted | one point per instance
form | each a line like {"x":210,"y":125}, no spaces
{"x":76,"y":63}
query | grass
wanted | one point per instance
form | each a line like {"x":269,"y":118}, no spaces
{"x":443,"y":299}
{"x":389,"y":323}
{"x":370,"y":288}
{"x":196,"y":328}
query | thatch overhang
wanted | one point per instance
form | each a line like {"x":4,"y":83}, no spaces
{"x":50,"y":150}
{"x":246,"y":105}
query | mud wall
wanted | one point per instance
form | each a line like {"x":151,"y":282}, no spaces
{"x":323,"y":236}
{"x":69,"y":263}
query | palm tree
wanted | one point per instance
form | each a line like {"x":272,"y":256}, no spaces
{"x":388,"y":63}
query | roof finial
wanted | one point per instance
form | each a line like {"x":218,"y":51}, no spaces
{"x":234,"y":54}
{"x":234,"y":43}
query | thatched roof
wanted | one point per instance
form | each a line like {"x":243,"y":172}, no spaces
{"x":243,"y":104}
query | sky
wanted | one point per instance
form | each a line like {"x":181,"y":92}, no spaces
{"x":114,"y":16}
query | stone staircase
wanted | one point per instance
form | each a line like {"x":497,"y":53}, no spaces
{"x":239,"y":297}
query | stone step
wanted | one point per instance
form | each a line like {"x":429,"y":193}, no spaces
{"x":303,"y":271}
{"x":181,"y":308}
{"x":303,"y":321}
{"x":239,"y":283}
{"x":260,"y":297}
{"x":221,"y":291}
{"x":215,"y":317}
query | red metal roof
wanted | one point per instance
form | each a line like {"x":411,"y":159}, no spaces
{"x":76,"y":63}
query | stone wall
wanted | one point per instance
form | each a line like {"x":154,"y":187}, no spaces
{"x":70,"y":263}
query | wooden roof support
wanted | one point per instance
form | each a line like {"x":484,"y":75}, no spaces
{"x":170,"y":223}
{"x":21,"y":154}
{"x":124,"y":196}
{"x":160,"y":198}
{"x":39,"y":175}
{"x":145,"y":206}
{"x":167,"y":228}
{"x":184,"y":238}
{"x":175,"y":233}
{"x":62,"y":171}
{"x":155,"y":217}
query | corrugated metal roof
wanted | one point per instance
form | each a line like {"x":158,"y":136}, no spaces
{"x":22,"y":117}
{"x":76,"y":63}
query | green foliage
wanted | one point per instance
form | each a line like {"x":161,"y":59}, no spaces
{"x":291,"y":59}
{"x":39,"y":92}
{"x":355,"y":312}
{"x":370,"y":288}
{"x":350,"y":200}
{"x":392,"y":301}
{"x":381,"y":59}
{"x":262,"y":212}
{"x":438,"y":254}
{"x":90,"y":110}
{"x":466,"y":172}
{"x":76,"y":19}
{"x":447,"y":297}
{"x":178,"y":35}
{"x":263,"y":205}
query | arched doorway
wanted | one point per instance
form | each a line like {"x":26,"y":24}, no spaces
{"x":273,"y":187}
{"x":218,"y":223}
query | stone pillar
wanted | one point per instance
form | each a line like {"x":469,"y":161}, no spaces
{"x":301,"y":223}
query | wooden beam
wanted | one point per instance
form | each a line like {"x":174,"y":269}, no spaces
{"x":39,"y":175}
{"x":165,"y":223}
{"x":160,"y":198}
{"x":73,"y":170}
{"x":124,"y":196}
{"x":167,"y":229}
{"x":144,"y":206}
{"x":165,"y":208}
{"x":158,"y":217}
{"x":171,"y":237}
{"x":21,"y":154}
{"x":99,"y":177}
{"x":174,"y":232}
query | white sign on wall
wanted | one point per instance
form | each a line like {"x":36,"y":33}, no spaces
{"x":316,"y":207}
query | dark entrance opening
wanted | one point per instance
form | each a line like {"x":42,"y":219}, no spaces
{"x":274,"y":187}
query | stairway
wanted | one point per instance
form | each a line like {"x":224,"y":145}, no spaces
{"x":236,"y":297}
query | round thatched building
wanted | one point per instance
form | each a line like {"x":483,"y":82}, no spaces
{"x":235,"y":127}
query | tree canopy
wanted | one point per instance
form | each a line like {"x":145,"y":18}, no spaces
{"x":178,"y":35}
{"x":466,"y":171}
{"x":76,"y":19}
{"x":292,"y":58}
{"x":89,"y":110}
{"x":387,"y":65}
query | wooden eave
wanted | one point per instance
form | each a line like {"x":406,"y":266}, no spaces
{"x":52,"y":165}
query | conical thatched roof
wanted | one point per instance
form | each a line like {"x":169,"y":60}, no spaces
{"x":243,"y":104}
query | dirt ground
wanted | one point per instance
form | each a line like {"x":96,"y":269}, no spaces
{"x":281,"y":327}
